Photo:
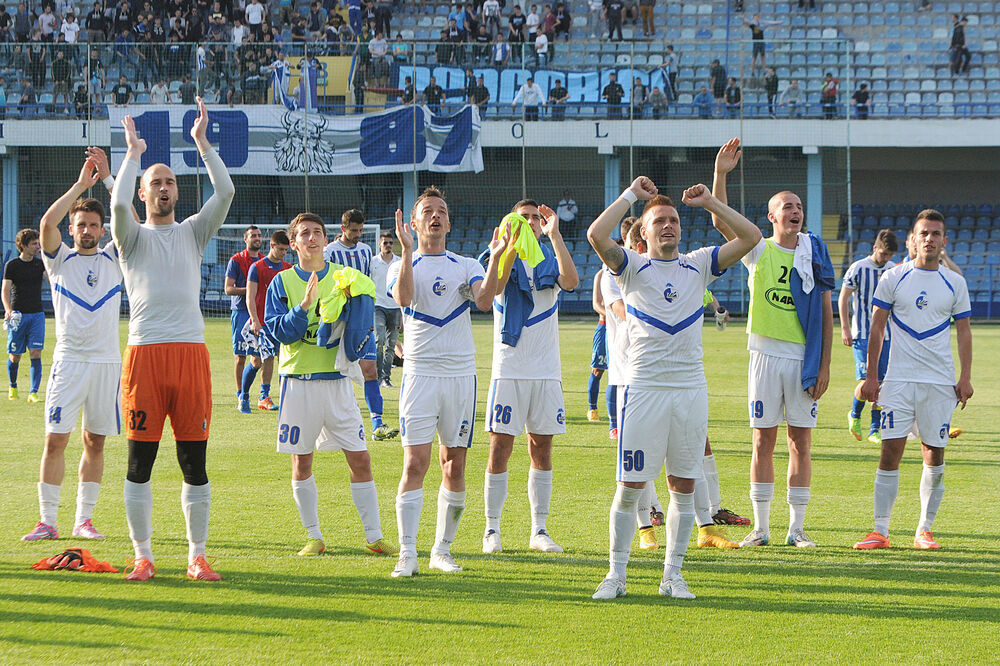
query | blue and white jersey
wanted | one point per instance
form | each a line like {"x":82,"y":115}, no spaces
{"x":617,"y":342}
{"x":438,"y":339}
{"x":862,"y":277}
{"x":86,"y":297}
{"x":358,"y":256}
{"x":664,"y":308}
{"x":921,"y":305}
{"x":536,"y":355}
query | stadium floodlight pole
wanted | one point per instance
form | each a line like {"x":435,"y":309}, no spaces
{"x":850,"y":216}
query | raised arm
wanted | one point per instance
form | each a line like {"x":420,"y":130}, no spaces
{"x":49,"y":227}
{"x":100,"y":158}
{"x":484,"y":290}
{"x":569,"y":278}
{"x":725,"y":161}
{"x":124,"y":226}
{"x":844,"y":304}
{"x":213,"y":213}
{"x":402,"y":290}
{"x":599,"y":233}
{"x":746,"y":235}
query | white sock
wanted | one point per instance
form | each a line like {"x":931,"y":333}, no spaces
{"x":702,"y":510}
{"x":886,"y":490}
{"x":86,"y":500}
{"x":307,"y":500}
{"x":712,"y":477}
{"x":494,"y":496}
{"x":654,"y":499}
{"x":761,"y":495}
{"x":197,"y":503}
{"x":798,"y":500}
{"x":451,"y":504}
{"x":48,"y":503}
{"x":408,"y":507}
{"x":680,"y":522}
{"x":139,"y":515}
{"x":366,"y":502}
{"x":643,"y":507}
{"x":931,"y":492}
{"x":621,"y":525}
{"x":539,"y":497}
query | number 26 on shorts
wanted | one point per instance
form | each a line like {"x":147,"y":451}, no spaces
{"x":633,"y":461}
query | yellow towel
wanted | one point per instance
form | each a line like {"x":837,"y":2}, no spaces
{"x":333,"y":303}
{"x":526,"y":246}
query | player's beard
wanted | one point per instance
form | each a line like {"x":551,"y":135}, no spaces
{"x":86,"y":243}
{"x":161,"y":209}
{"x":255,"y":246}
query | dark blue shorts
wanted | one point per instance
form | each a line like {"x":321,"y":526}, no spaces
{"x":861,"y":359}
{"x":29,"y":335}
{"x":599,"y":358}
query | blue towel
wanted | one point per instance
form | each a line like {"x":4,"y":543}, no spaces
{"x":518,"y":301}
{"x":358,"y":316}
{"x":809,"y":308}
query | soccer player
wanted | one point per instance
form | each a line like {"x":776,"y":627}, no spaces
{"x":318,"y":409}
{"x":165,"y":370}
{"x":348,"y":250}
{"x":616,"y":340}
{"x":438,"y":390}
{"x":259,"y":278}
{"x":859,"y":282}
{"x":918,"y":300}
{"x":790,"y":327}
{"x":388,"y":316}
{"x":599,"y":356}
{"x":22,"y":293}
{"x":526,"y":379}
{"x":236,"y":289}
{"x":86,"y":361}
{"x":663,"y":411}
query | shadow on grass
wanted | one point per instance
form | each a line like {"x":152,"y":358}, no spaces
{"x":36,"y":641}
{"x":118,"y":623}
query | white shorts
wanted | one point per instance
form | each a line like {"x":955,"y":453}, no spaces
{"x":93,"y":387}
{"x":514,"y":404}
{"x":658,"y":427}
{"x":445,"y":405}
{"x":930,"y":406}
{"x":319,"y":415}
{"x":776,"y":395}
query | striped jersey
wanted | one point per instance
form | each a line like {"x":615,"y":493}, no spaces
{"x":356,"y":256}
{"x":862,"y":277}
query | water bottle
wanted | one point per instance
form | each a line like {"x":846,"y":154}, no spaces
{"x":720,"y":318}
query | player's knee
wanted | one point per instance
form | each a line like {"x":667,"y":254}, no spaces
{"x":55,"y":443}
{"x":597,"y":372}
{"x":191,"y":458}
{"x":14,"y":358}
{"x":141,"y":456}
{"x":93,"y":443}
{"x":360,"y":463}
{"x":368,"y":370}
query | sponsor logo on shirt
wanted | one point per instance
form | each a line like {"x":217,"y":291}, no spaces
{"x":780,"y":298}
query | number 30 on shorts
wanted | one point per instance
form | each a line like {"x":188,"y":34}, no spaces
{"x":633,"y":460}
{"x":288,"y":434}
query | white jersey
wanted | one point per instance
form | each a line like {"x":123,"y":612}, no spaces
{"x":536,"y":355}
{"x":862,"y":277}
{"x":921,"y":305}
{"x":617,"y":333}
{"x":86,"y":297}
{"x":357,"y":256}
{"x":380,"y":271}
{"x":438,"y":339}
{"x":664,"y":310}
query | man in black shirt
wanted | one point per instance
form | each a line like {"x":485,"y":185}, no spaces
{"x":443,"y":50}
{"x":187,"y":90}
{"x":457,"y":37}
{"x":960,"y":56}
{"x":483,"y":43}
{"x":22,"y":300}
{"x":860,"y":101}
{"x":408,"y":92}
{"x":718,"y":75}
{"x":557,"y":100}
{"x":613,"y":93}
{"x":479,"y":95}
{"x":122,"y":92}
{"x":614,"y":13}
{"x":517,"y":23}
{"x":734,"y":99}
{"x":433,"y":95}
{"x":60,"y":79}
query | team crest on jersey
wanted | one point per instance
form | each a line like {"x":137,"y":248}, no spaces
{"x":91,"y":278}
{"x":922,"y":301}
{"x":463,"y":430}
{"x":561,"y":416}
{"x":669,"y":293}
{"x":439,"y":286}
{"x":943,"y":432}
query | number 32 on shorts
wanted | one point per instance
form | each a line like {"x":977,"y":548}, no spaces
{"x":633,"y":461}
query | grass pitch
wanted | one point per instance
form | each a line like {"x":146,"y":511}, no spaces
{"x":772,"y":604}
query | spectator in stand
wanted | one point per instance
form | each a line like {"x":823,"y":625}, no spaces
{"x":35,"y":53}
{"x":27,"y":102}
{"x":718,"y":80}
{"x":122,"y":93}
{"x":60,"y":79}
{"x":501,"y":52}
{"x":6,"y":22}
{"x":381,"y":62}
{"x":79,"y":101}
{"x":24,"y":21}
{"x":480,"y":95}
{"x":860,"y":100}
{"x":482,"y":48}
{"x":564,"y":22}
{"x":771,"y":89}
{"x":792,"y":96}
{"x":96,"y":24}
{"x":254,"y":14}
{"x":97,"y":81}
{"x":671,"y":63}
{"x":3,"y":98}
{"x":532,"y":23}
{"x":757,"y":36}
{"x":443,"y":50}
{"x":457,"y":36}
{"x":409,"y":92}
{"x":613,"y":94}
{"x":491,"y":17}
{"x":187,"y":91}
{"x":400,"y":49}
{"x":614,"y":14}
{"x":558,"y":96}
{"x":924,"y":5}
{"x":812,"y":4}
{"x":646,"y":12}
{"x":960,"y":55}
{"x":300,"y":32}
{"x":160,"y":93}
{"x":541,"y":50}
{"x":254,"y":84}
{"x":596,"y":21}
{"x":516,"y":33}
{"x":432,"y":96}
{"x":828,"y":96}
{"x":549,"y":28}
{"x":47,"y":23}
{"x":734,"y":99}
{"x":70,"y":29}
{"x":239,"y":32}
{"x":531,"y":95}
{"x":566,"y":211}
{"x":639,"y":95}
{"x":317,"y":20}
{"x":704,"y":102}
{"x":383,"y":16}
{"x":658,"y":102}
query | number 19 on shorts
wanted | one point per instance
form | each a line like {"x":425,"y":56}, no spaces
{"x":633,"y":461}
